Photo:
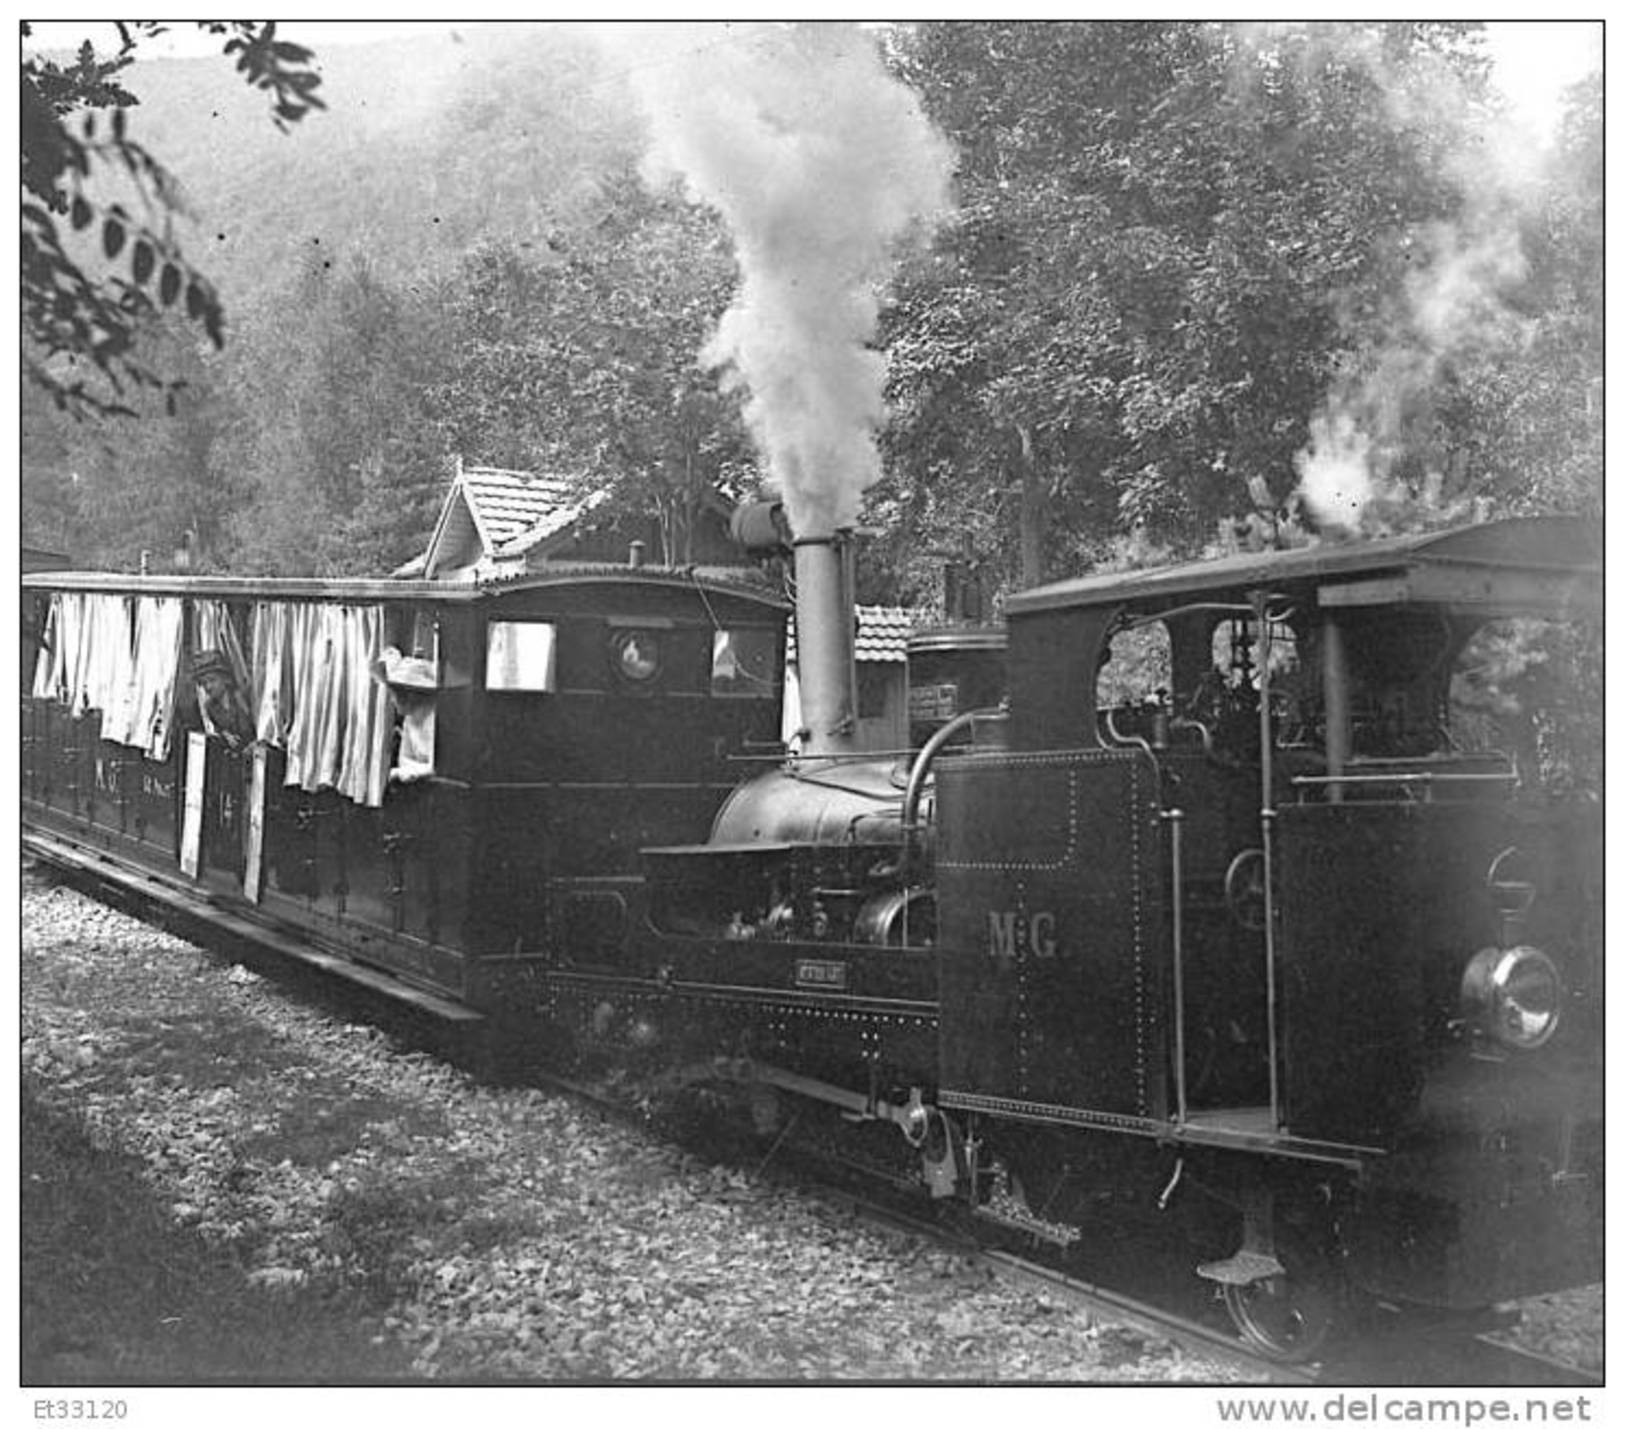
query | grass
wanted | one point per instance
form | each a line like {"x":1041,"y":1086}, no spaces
{"x":115,"y":1293}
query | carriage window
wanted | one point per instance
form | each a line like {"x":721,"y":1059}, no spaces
{"x":637,"y":656}
{"x":742,"y":662}
{"x":425,"y":635}
{"x":521,"y":655}
{"x":412,"y":641}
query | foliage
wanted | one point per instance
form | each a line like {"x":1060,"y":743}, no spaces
{"x":67,"y":312}
{"x":1534,"y":689}
{"x":1176,"y":242}
{"x":584,"y":361}
{"x":1527,"y":424}
{"x":113,"y":494}
{"x":342,"y":467}
{"x":1178,"y":246}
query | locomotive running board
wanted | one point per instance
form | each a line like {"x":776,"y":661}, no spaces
{"x":1189,"y":1133}
{"x":206,"y":910}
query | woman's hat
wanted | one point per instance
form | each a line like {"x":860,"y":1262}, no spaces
{"x":211,"y":662}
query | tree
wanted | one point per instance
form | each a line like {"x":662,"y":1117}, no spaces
{"x":1172,"y":238}
{"x":341,"y":462}
{"x":585,"y":362}
{"x":80,"y":330}
{"x":1528,"y":420}
{"x":112,"y":494}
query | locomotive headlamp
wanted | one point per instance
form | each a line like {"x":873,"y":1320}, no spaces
{"x":1514,"y":996}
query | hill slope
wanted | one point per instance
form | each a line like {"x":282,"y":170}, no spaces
{"x":427,"y":148}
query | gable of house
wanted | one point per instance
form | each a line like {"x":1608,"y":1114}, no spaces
{"x":493,"y":518}
{"x":496,"y":521}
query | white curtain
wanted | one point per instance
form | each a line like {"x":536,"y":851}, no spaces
{"x":271,"y":680}
{"x":148,"y":712}
{"x":215,"y":631}
{"x":58,"y":676}
{"x":108,"y":663}
{"x":316,"y":693}
{"x":48,"y":666}
{"x":160,"y":623}
{"x":118,"y":654}
{"x":315,"y":679}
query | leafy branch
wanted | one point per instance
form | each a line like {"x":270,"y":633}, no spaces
{"x":69,"y":316}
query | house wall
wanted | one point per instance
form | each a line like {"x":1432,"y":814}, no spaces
{"x":882,"y":705}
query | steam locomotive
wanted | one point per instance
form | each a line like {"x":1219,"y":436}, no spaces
{"x":1221,"y":904}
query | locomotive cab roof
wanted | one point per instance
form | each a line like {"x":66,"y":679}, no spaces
{"x":1521,"y":565}
{"x":1398,"y":597}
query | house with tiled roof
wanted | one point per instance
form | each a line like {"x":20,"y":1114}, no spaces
{"x":497,"y":522}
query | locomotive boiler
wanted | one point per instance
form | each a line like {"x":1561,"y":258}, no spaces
{"x":1249,"y":908}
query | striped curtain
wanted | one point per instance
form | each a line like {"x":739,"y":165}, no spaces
{"x":316,"y":694}
{"x":118,"y":654}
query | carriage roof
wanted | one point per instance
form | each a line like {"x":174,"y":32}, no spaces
{"x":710,"y":580}
{"x":1522,"y":564}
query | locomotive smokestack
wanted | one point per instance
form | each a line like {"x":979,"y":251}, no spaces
{"x":825,"y":646}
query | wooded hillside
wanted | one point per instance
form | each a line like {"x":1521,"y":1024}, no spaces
{"x":1199,"y":280}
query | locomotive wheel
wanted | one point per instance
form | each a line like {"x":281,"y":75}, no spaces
{"x":1286,"y":1317}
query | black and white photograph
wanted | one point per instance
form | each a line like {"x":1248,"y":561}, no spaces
{"x":824,"y":705}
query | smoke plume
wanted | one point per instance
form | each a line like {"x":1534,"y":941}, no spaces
{"x":1453,"y":300}
{"x":820,"y":163}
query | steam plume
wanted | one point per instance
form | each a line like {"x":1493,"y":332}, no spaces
{"x":819,"y":162}
{"x":1453,"y":300}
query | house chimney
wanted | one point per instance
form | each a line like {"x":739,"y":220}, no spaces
{"x":825,"y":646}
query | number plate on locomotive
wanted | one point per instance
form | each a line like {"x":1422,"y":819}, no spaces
{"x":824,"y":976}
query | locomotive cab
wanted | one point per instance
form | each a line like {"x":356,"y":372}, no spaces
{"x":1268,"y":878}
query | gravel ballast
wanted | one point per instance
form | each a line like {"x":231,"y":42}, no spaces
{"x":498,"y":1233}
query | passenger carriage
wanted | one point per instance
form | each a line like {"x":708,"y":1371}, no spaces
{"x":446,"y":784}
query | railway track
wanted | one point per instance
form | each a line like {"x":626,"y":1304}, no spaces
{"x":1398,"y":1348}
{"x":1393,"y":1352}
{"x":1390,"y":1347}
{"x":886,"y":1203}
{"x":1393,"y":1347}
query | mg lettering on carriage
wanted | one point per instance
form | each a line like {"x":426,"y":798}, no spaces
{"x":107,"y":776}
{"x":1011,"y":932}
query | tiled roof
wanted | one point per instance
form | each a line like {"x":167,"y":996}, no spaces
{"x":883,"y":632}
{"x":516,"y":510}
